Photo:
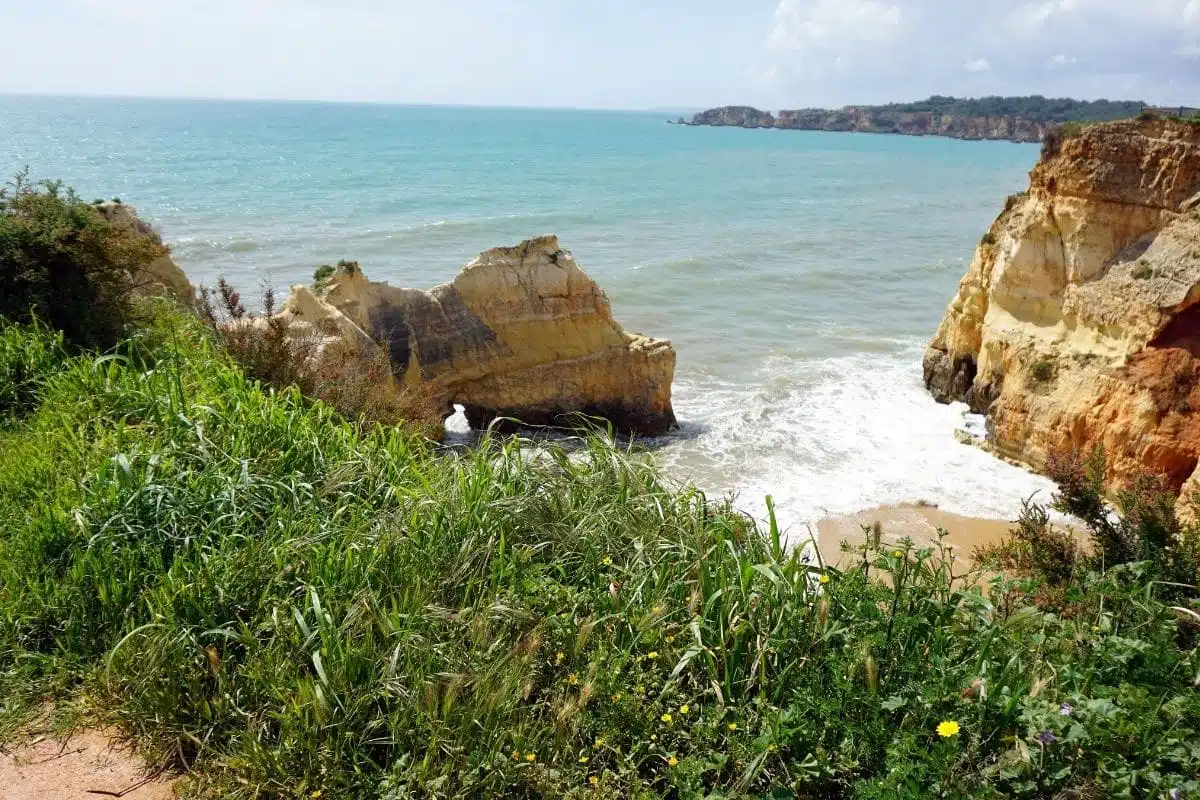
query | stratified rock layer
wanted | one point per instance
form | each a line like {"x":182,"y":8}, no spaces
{"x":521,"y":333}
{"x":1077,"y":323}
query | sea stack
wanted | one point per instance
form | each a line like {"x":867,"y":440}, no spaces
{"x":1077,"y":323}
{"x":522,"y":333}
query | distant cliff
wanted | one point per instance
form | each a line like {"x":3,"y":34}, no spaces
{"x":1018,"y":119}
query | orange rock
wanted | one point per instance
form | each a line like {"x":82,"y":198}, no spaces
{"x":1077,"y":323}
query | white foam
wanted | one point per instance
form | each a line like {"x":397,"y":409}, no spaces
{"x":837,"y":436}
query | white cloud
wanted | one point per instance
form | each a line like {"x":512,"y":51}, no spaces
{"x":977,"y":65}
{"x":1062,"y":59}
{"x":804,"y":25}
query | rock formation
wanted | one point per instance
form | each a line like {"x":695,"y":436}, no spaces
{"x":859,"y":119}
{"x":521,"y":333}
{"x":1078,"y":322}
{"x":163,"y":276}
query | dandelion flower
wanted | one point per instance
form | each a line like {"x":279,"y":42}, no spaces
{"x":824,"y":578}
{"x":771,"y":748}
{"x":531,"y":758}
{"x":573,"y":679}
{"x":670,"y":639}
{"x":594,"y":781}
{"x":666,"y":718}
{"x":516,"y":755}
{"x":947,"y":729}
{"x":684,"y":709}
{"x":599,"y":742}
{"x":672,"y":761}
{"x":607,"y":561}
{"x":898,"y":553}
{"x":616,"y":698}
{"x":732,"y":726}
{"x":653,"y":654}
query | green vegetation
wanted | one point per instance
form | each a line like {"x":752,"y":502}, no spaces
{"x":1043,"y":370}
{"x":290,"y":603}
{"x":61,"y":261}
{"x":1035,"y":108}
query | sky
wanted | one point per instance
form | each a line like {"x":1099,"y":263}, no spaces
{"x":629,"y":54}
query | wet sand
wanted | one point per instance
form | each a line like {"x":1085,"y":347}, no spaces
{"x":916,"y":522}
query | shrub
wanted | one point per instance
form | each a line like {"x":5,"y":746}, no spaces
{"x":63,"y":263}
{"x":1043,"y":371}
{"x":1142,"y":529}
{"x":988,"y":239}
{"x":280,"y":352}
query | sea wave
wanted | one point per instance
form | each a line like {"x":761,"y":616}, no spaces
{"x":836,"y":436}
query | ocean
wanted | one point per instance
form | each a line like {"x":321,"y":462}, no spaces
{"x":799,"y":274}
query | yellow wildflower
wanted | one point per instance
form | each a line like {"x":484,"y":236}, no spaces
{"x":824,"y":578}
{"x":666,"y":718}
{"x":898,"y":554}
{"x":684,"y":709}
{"x":616,"y":698}
{"x":732,"y":726}
{"x":583,"y":759}
{"x":771,"y":748}
{"x":653,"y":654}
{"x":531,"y":758}
{"x":654,"y":737}
{"x":947,"y":728}
{"x":670,"y":639}
{"x":672,"y":761}
{"x":516,"y":755}
{"x":559,"y":657}
{"x":599,"y":743}
{"x":573,"y":679}
{"x":639,"y":689}
{"x":607,"y":561}
{"x":594,"y":781}
{"x":316,"y":795}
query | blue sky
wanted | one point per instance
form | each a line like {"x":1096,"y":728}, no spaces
{"x":608,"y":54}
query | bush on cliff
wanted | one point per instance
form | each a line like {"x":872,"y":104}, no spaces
{"x":63,"y":263}
{"x":293,"y":607}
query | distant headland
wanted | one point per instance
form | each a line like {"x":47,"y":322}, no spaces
{"x":1018,"y":119}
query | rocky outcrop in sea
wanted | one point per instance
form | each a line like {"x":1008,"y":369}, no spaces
{"x":522,"y":333}
{"x":1078,"y":323}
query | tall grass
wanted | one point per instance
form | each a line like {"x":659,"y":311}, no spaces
{"x":291,"y":606}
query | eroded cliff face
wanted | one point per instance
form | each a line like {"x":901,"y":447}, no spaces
{"x":163,"y":276}
{"x":521,"y":333}
{"x":1077,"y":323}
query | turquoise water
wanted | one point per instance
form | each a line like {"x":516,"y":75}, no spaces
{"x":799,"y":274}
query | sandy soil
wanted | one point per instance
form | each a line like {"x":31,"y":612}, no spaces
{"x":919,"y":523}
{"x":89,"y":765}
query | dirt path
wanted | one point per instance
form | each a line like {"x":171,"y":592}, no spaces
{"x":89,"y":765}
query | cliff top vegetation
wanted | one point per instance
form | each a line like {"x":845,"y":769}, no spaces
{"x":289,"y":603}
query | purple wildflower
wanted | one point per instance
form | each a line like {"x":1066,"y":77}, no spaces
{"x":1066,"y":710}
{"x":1047,"y":737}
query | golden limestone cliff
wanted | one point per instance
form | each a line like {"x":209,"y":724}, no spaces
{"x":1077,"y":323}
{"x":161,"y":277}
{"x":521,"y":333}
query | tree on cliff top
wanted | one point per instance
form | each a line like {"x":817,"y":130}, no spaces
{"x":63,"y":263}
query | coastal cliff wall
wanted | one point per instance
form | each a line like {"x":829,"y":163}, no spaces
{"x":521,"y":333}
{"x":1077,"y":323}
{"x":870,"y":120}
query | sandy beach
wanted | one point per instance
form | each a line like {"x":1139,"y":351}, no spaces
{"x":919,"y":523}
